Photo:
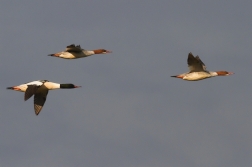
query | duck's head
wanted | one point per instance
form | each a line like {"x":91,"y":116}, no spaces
{"x":224,"y":73}
{"x":68,"y":86}
{"x":101,"y":51}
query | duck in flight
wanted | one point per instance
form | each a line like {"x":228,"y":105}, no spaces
{"x":197,"y":70}
{"x":75,"y":52}
{"x":40,"y":90}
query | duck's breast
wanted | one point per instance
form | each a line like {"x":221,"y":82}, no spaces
{"x":52,"y":85}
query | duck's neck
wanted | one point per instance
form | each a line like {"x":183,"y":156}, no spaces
{"x":213,"y":73}
{"x":89,"y":52}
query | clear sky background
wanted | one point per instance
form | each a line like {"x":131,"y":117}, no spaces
{"x":129,"y":111}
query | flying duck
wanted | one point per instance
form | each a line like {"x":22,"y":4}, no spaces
{"x":197,"y":70}
{"x":40,"y":90}
{"x":75,"y":52}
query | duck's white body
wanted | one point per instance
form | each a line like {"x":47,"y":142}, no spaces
{"x":194,"y":76}
{"x":48,"y":84}
{"x":69,"y":55}
{"x":40,"y":90}
{"x":198,"y":70}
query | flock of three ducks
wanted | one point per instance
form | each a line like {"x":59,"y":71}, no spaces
{"x":40,"y":88}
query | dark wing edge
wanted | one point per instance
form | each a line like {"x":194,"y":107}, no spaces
{"x":201,"y":62}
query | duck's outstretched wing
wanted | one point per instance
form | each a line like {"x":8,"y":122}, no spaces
{"x":195,"y":64}
{"x":73,"y":48}
{"x":40,"y":98}
{"x":30,"y":91}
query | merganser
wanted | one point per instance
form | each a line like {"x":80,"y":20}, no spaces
{"x":75,"y":52}
{"x":40,"y":90}
{"x":197,"y":70}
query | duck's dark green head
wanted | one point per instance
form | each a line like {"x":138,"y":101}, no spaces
{"x":68,"y":86}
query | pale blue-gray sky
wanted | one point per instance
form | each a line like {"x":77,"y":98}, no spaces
{"x":129,"y":111}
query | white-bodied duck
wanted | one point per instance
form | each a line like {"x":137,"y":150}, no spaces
{"x":40,"y":90}
{"x":75,"y":52}
{"x":197,"y":70}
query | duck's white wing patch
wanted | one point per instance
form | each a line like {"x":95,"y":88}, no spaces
{"x":38,"y":83}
